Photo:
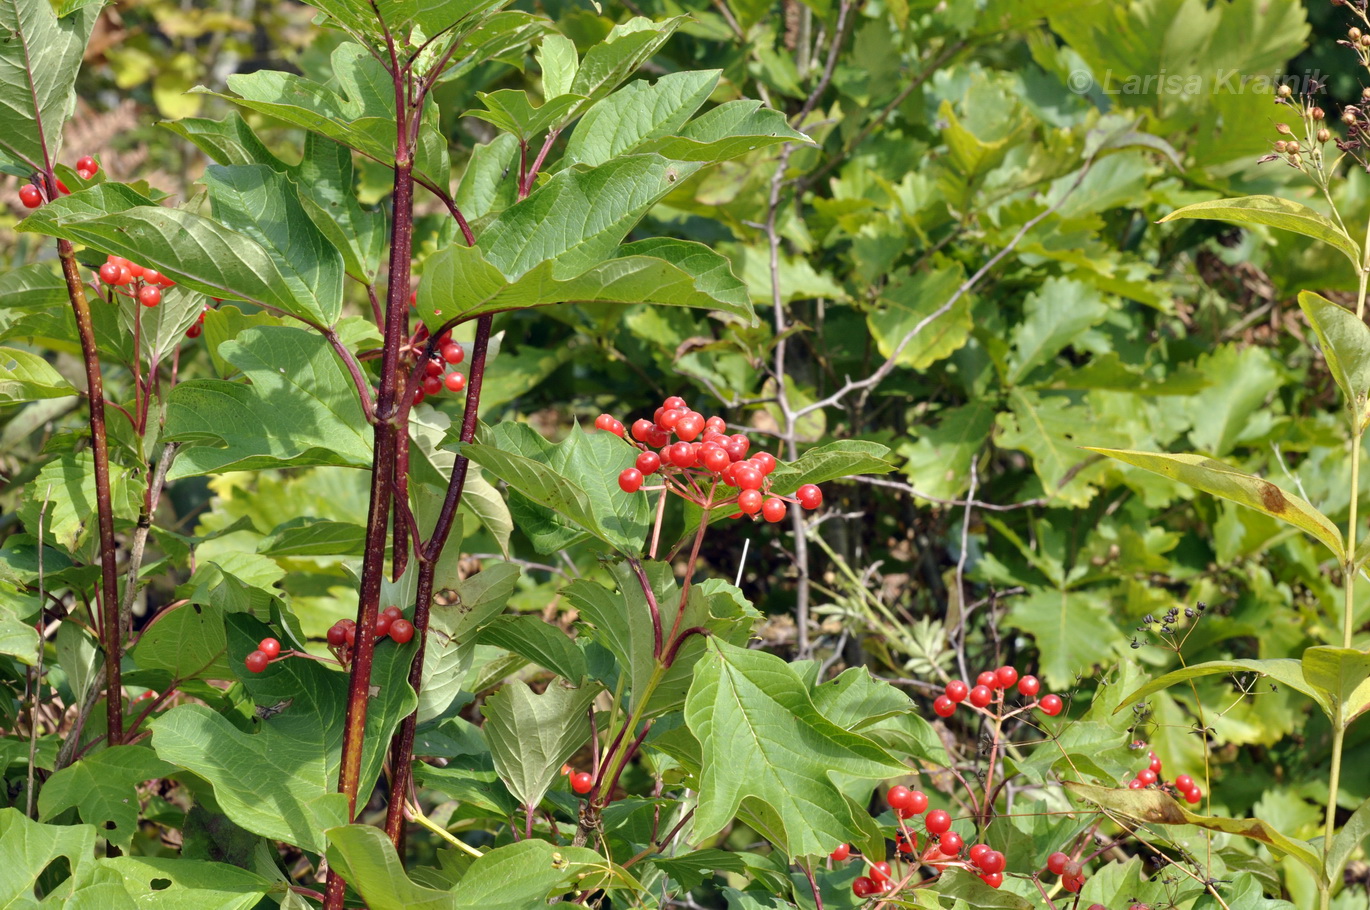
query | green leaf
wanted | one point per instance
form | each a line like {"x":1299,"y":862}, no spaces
{"x":1286,"y":671}
{"x":305,"y":536}
{"x":1343,"y":676}
{"x":188,"y":642}
{"x":1220,"y":479}
{"x":1345,"y":342}
{"x":1053,"y":317}
{"x":1272,"y":211}
{"x":461,"y":281}
{"x":763,"y":739}
{"x":558,"y":60}
{"x":26,"y":850}
{"x":33,"y":287}
{"x":637,"y":113}
{"x":490,"y":183}
{"x":832,"y":461}
{"x":854,"y":700}
{"x":1225,"y":411}
{"x":175,"y":882}
{"x":543,"y":644}
{"x":278,"y":778}
{"x":453,"y":629}
{"x":261,"y":204}
{"x":1050,"y":428}
{"x":102,"y":789}
{"x":40,"y":57}
{"x":619,"y":54}
{"x":728,"y":131}
{"x":25,"y":376}
{"x":532,"y":735}
{"x":963,"y":885}
{"x":513,"y":112}
{"x":300,"y":408}
{"x":1351,"y":836}
{"x":577,"y":219}
{"x":939,"y":459}
{"x":367,"y":859}
{"x":68,"y":483}
{"x":1158,"y":808}
{"x":906,"y":309}
{"x":1072,"y":630}
{"x":198,"y":253}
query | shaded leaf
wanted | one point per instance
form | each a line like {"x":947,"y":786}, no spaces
{"x":102,"y":789}
{"x":1272,"y":211}
{"x":532,"y":735}
{"x":25,"y":376}
{"x":1345,"y":342}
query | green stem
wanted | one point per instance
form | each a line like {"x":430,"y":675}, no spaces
{"x":1348,"y":610}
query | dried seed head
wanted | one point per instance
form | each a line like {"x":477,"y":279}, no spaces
{"x":1281,"y":146}
{"x":1284,"y":91}
{"x":1324,"y":134}
{"x":1283,"y":129}
{"x":1354,"y":34}
{"x":1317,"y":114}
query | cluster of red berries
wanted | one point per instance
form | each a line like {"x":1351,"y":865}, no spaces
{"x":32,"y":196}
{"x":199,"y":326}
{"x":448,"y":353}
{"x":942,"y":849}
{"x":268,"y":649}
{"x":1184,"y":786}
{"x":390,"y":621}
{"x":703,"y":457}
{"x":1072,"y":873}
{"x":147,"y":283}
{"x":991,"y":685}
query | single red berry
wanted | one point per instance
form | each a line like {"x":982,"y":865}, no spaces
{"x":1051,"y":705}
{"x":749,"y":501}
{"x":989,"y":679}
{"x":993,"y":879}
{"x":992,"y":861}
{"x":641,"y":428}
{"x":84,"y":174}
{"x":682,"y":455}
{"x":1135,"y":784}
{"x":938,"y":822}
{"x":715,"y":458}
{"x":918,"y":802}
{"x":773,"y":510}
{"x":433,"y":366}
{"x":125,"y":276}
{"x":630,"y":480}
{"x":165,"y":282}
{"x":950,"y":844}
{"x":943,"y":706}
{"x":383,"y":624}
{"x":431,"y":385}
{"x":765,"y":462}
{"x":149,"y":295}
{"x":1073,"y":884}
{"x":1184,"y":782}
{"x":109,"y":273}
{"x":736,"y":449}
{"x":864,"y":887}
{"x":670,"y":417}
{"x":842,"y":852}
{"x":604,"y":421}
{"x":657,"y":437}
{"x":981,"y":696}
{"x":689,"y":426}
{"x":454,"y":381}
{"x":898,"y":797}
{"x":1146,"y":776}
{"x":675,"y":401}
{"x":1193,"y":795}
{"x":453,"y":353}
{"x":809,"y":496}
{"x":350,"y":634}
{"x":1073,"y":870}
{"x":150,"y":275}
{"x":270,"y":647}
{"x":1155,"y":765}
{"x":906,"y":844}
{"x":257,"y":661}
{"x":957,"y":691}
{"x":401,"y":630}
{"x":393,"y":612}
{"x":1029,"y":686}
{"x":62,"y":188}
{"x":87,"y":163}
{"x":978,"y":852}
{"x":1056,"y":862}
{"x":31,"y":196}
{"x":337,"y":635}
{"x":747,"y":477}
{"x":715,"y":425}
{"x":194,"y":331}
{"x":582,"y":782}
{"x":1006,"y":677}
{"x":880,"y":872}
{"x":648,"y":462}
{"x":134,"y":269}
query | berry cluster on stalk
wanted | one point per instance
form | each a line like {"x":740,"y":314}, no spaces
{"x":139,"y":282}
{"x":31,"y":194}
{"x":434,"y":376}
{"x":694,"y":457}
{"x":389,"y":622}
{"x":1183,"y":787}
{"x":991,"y":686}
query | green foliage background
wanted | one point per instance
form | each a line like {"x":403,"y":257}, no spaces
{"x":946,"y":134}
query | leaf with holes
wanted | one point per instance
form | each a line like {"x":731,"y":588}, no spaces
{"x":102,"y":790}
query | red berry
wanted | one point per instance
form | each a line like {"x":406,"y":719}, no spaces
{"x":943,"y":706}
{"x":1155,"y":764}
{"x":715,"y":458}
{"x":431,"y":385}
{"x":152,"y":276}
{"x":604,"y":421}
{"x":670,"y":417}
{"x":85,"y":174}
{"x":31,"y":196}
{"x":682,"y":455}
{"x":978,"y":852}
{"x":1184,"y":782}
{"x":864,"y":887}
{"x":981,"y":696}
{"x":1073,"y":870}
{"x":675,"y":401}
{"x":383,"y":624}
{"x":453,"y":353}
{"x":747,"y":477}
{"x":582,"y":782}
{"x":993,"y":879}
{"x":1193,"y":795}
{"x":350,"y":634}
{"x":62,"y":188}
{"x":125,"y":276}
{"x":1146,"y":776}
{"x":418,"y":396}
{"x":742,"y":443}
{"x":957,"y":691}
{"x":648,"y":462}
{"x":454,"y":381}
{"x":989,"y":679}
{"x":337,"y":635}
{"x":194,"y":331}
{"x":715,"y":425}
{"x":1056,"y":862}
{"x":87,"y":163}
{"x":134,"y":269}
{"x":1073,"y":884}
{"x":641,"y":428}
{"x":657,"y":437}
{"x":880,"y":872}
{"x":773,"y":510}
{"x":1135,"y":784}
{"x":1051,"y":705}
{"x":630,"y":480}
{"x":1006,"y":677}
{"x":842,"y":852}
{"x":257,"y":661}
{"x":109,"y":273}
{"x":433,"y":366}
{"x":992,"y":861}
{"x":918,"y":802}
{"x":809,"y":496}
{"x":413,"y":298}
{"x":270,"y":647}
{"x":149,"y":295}
{"x":938,"y":822}
{"x":1029,"y":686}
{"x":749,"y":501}
{"x":401,"y":630}
{"x":393,"y":612}
{"x":950,"y":844}
{"x":689,"y":426}
{"x":765,"y":462}
{"x":899,"y":797}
